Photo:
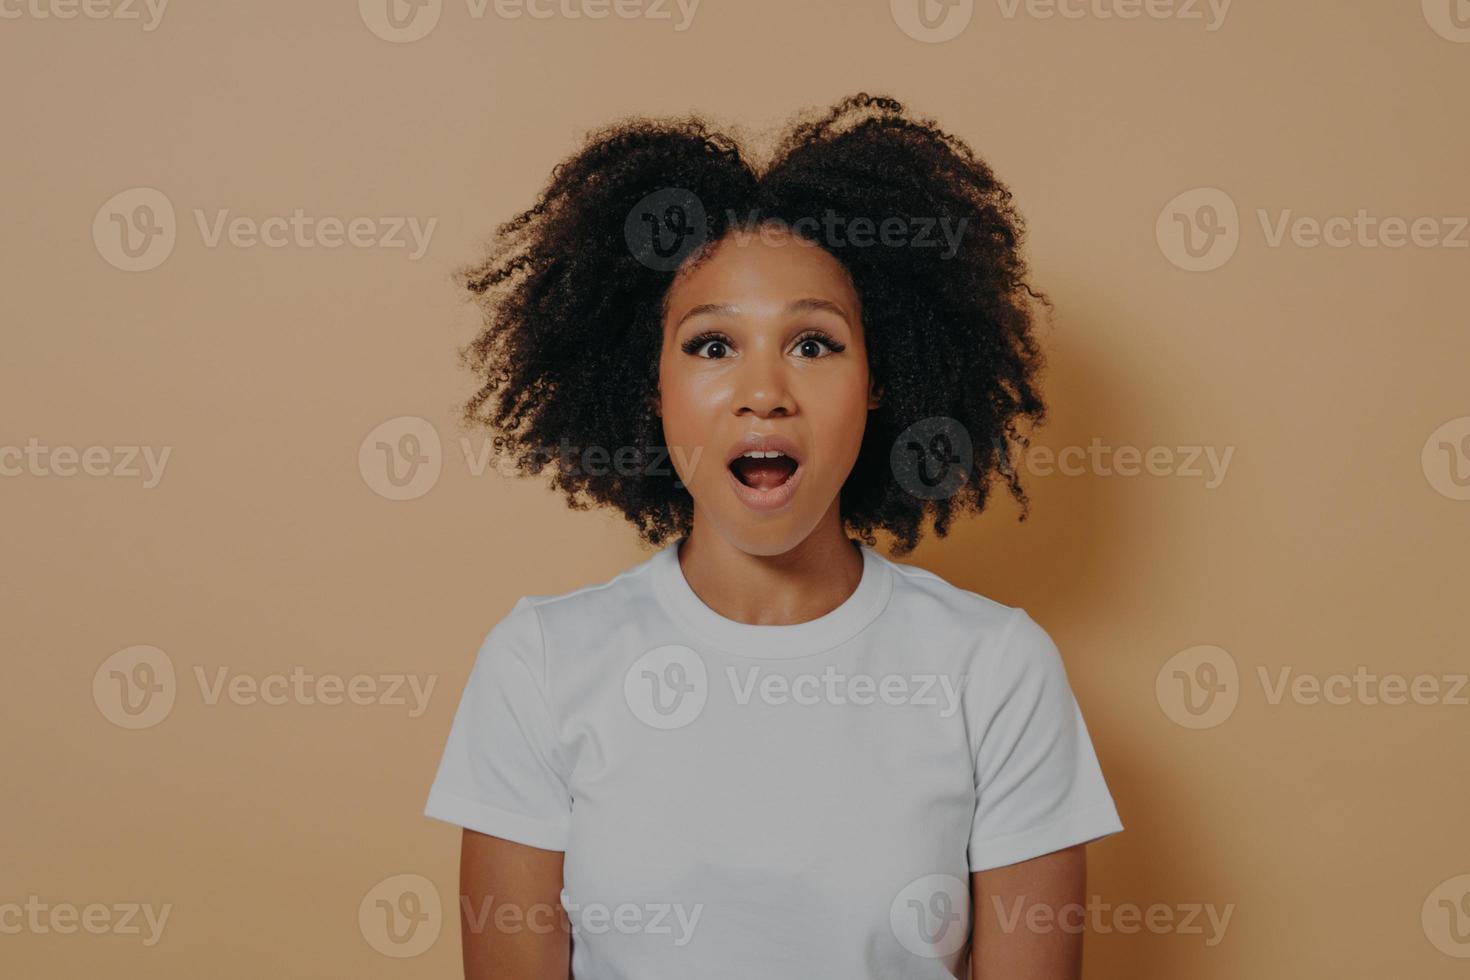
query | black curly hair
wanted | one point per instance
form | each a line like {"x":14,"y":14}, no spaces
{"x":573,"y":305}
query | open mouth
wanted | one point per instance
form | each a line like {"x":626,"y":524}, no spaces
{"x":763,"y":470}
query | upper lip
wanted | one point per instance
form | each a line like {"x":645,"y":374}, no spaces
{"x":754,"y":440}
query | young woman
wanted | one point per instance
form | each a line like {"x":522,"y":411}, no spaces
{"x":767,"y":751}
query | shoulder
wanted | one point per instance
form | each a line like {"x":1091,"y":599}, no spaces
{"x":521,"y":642}
{"x":937,"y":603}
{"x":579,"y":615}
{"x":1000,"y":638}
{"x":598,"y":603}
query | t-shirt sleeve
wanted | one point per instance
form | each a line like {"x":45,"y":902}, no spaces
{"x":501,"y":772}
{"x":1039,"y":787}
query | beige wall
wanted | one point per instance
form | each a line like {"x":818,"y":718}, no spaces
{"x":1333,"y":835}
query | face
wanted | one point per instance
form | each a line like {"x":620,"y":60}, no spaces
{"x":763,"y":353}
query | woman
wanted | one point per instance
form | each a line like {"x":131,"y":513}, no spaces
{"x":767,"y":751}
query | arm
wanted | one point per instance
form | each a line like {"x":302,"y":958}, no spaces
{"x":1028,"y":918}
{"x":511,"y":919}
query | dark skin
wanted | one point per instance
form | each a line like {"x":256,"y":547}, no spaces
{"x":494,"y":874}
{"x":766,"y":299}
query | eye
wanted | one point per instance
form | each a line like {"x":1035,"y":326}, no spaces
{"x":712,"y":340}
{"x":816,"y":340}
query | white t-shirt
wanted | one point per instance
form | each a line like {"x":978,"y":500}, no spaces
{"x":784,"y":802}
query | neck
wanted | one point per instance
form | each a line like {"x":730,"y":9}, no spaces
{"x":805,"y":583}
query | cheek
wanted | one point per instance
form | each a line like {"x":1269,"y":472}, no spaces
{"x":839,"y":416}
{"x":690,"y":410}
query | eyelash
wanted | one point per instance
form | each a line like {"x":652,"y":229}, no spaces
{"x":693,"y":344}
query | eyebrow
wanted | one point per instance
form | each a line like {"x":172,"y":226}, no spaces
{"x":808,"y":305}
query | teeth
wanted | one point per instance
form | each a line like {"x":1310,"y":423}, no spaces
{"x":759,"y":454}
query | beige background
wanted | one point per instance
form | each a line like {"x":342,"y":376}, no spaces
{"x":1336,"y":540}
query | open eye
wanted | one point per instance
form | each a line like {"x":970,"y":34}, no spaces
{"x":816,"y":340}
{"x":707,"y":340}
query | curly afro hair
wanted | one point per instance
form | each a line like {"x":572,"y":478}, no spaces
{"x":573,"y":308}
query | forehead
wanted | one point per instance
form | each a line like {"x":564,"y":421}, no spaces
{"x":762,"y":273}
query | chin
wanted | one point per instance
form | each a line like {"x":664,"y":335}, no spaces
{"x":760,"y":534}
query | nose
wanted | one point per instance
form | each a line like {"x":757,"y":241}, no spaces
{"x":761,"y":387}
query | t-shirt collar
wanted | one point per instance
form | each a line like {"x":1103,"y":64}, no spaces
{"x":839,"y":625}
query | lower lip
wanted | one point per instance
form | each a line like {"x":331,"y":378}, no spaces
{"x":772,"y":499}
